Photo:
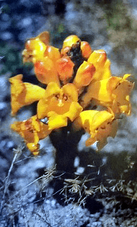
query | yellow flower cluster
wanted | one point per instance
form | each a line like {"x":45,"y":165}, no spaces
{"x":79,"y":88}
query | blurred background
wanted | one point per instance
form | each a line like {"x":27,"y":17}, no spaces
{"x":106,"y":24}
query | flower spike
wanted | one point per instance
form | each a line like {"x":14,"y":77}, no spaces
{"x":78,"y":90}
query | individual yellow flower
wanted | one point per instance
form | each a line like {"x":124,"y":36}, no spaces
{"x":23,"y":93}
{"x":121,"y":90}
{"x":102,"y":64}
{"x":99,"y":124}
{"x":84,"y":75}
{"x":32,"y":130}
{"x":102,"y":72}
{"x":59,"y":104}
{"x":64,"y":68}
{"x":112,"y":92}
{"x":85,"y":49}
{"x":46,"y":71}
{"x":35,"y":48}
{"x":71,"y":40}
{"x":53,"y":53}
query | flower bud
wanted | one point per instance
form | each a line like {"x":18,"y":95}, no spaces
{"x":86,"y":49}
{"x":65,"y":69}
{"x":98,"y":58}
{"x":84,"y":74}
{"x":70,"y":40}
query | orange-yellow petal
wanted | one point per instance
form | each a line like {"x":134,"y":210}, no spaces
{"x":99,"y":124}
{"x":49,"y":100}
{"x":74,"y":111}
{"x":98,"y":90}
{"x":65,"y":50}
{"x":70,"y":91}
{"x":70,"y":40}
{"x":45,"y":71}
{"x":34,"y":148}
{"x":90,"y":120}
{"x":23,"y":93}
{"x":103,"y":133}
{"x":56,"y":121}
{"x":44,"y":37}
{"x":32,"y":130}
{"x":84,"y":74}
{"x":98,"y":58}
{"x":35,"y":48}
{"x":85,"y":49}
{"x":65,"y":69}
{"x":53,"y":53}
{"x":52,"y":89}
{"x":100,"y":118}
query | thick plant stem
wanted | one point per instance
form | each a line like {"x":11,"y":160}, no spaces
{"x":65,"y":140}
